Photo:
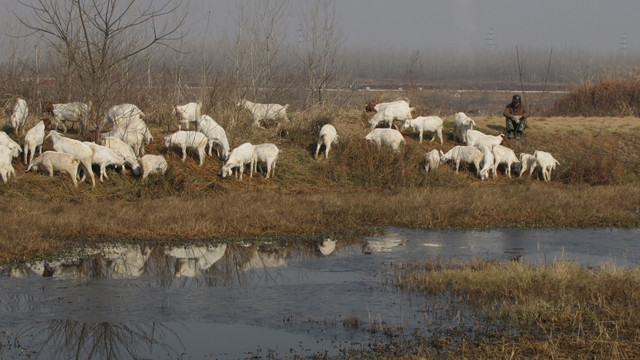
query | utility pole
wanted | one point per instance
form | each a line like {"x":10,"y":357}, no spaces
{"x":490,"y":39}
{"x":623,"y":45}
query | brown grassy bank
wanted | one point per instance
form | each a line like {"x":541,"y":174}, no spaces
{"x":595,"y":185}
{"x":252,"y":214}
{"x":560,"y":311}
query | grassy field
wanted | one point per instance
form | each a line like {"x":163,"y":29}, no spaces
{"x":357,"y":187}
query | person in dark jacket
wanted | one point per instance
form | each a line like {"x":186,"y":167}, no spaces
{"x":516,"y":114}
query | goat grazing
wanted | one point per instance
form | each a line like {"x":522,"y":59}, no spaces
{"x":83,"y":152}
{"x":266,"y":154}
{"x":153,"y":164}
{"x":70,"y":112}
{"x":103,"y":157}
{"x":188,"y":139}
{"x":462,"y":123}
{"x":389,"y":137}
{"x":426,"y":123}
{"x":187,"y":114}
{"x":34,"y":139}
{"x":328,"y":135}
{"x":264,"y":111}
{"x":57,"y":161}
{"x":431,"y":160}
{"x":503,"y":155}
{"x":238,"y":158}
{"x":546,"y":162}
{"x":216,"y":135}
{"x":388,"y":112}
{"x":463,"y":153}
{"x":123,"y":149}
{"x":19,"y":116}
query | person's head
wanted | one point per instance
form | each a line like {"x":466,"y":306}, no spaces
{"x":516,"y":100}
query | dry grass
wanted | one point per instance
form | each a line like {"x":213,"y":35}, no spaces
{"x":562,"y":310}
{"x":595,"y":185}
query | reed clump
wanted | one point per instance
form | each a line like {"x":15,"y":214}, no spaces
{"x":607,"y":97}
{"x":557,"y":310}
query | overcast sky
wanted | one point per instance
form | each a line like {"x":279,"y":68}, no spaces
{"x":595,"y":25}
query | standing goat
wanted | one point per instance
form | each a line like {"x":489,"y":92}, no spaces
{"x":328,"y":135}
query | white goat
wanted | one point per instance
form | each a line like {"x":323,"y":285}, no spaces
{"x":480,"y":139}
{"x":238,"y":158}
{"x":57,"y":161}
{"x":8,"y":142}
{"x":19,"y":116}
{"x":546,"y":162}
{"x":34,"y":139}
{"x":488,"y":163}
{"x":466,"y":154}
{"x":389,"y":137}
{"x":133,"y":131}
{"x":528,"y":162}
{"x":83,"y":152}
{"x":388,"y":112}
{"x":266,"y":154}
{"x":216,"y":135}
{"x":264,"y":111}
{"x":122,"y":112}
{"x":103,"y":157}
{"x":462,"y":123}
{"x":328,"y":136}
{"x":123,"y":149}
{"x":153,"y":164}
{"x":6,"y":168}
{"x":426,"y":123}
{"x":187,"y":114}
{"x":431,"y":160}
{"x":503,"y":155}
{"x":72,"y":112}
{"x":188,"y":139}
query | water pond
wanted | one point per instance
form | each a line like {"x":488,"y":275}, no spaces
{"x":262,"y":300}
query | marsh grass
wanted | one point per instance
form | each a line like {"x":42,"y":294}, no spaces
{"x":560,"y":310}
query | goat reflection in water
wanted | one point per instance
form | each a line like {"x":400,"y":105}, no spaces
{"x":208,"y":265}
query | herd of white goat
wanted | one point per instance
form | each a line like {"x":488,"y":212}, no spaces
{"x":124,"y":144}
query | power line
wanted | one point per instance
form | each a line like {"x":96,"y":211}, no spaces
{"x":490,"y":40}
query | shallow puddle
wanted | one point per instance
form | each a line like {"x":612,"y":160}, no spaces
{"x":256,"y":300}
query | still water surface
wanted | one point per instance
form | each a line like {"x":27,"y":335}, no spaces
{"x":254,"y":300}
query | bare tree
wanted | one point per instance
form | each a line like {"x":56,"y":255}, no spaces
{"x":320,"y":52}
{"x":257,"y":47}
{"x":99,"y":41}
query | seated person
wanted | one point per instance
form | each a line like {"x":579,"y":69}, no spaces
{"x":516,"y":115}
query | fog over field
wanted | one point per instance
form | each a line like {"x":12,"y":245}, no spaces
{"x":569,"y":41}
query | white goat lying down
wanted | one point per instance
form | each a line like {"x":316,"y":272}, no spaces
{"x":75,"y":147}
{"x":480,"y":139}
{"x":462,"y":123}
{"x":70,"y":112}
{"x":188,"y":139}
{"x":431,"y":160}
{"x":426,"y":123}
{"x":238,"y":158}
{"x":6,"y":168}
{"x":264,"y":111}
{"x":546,"y":162}
{"x":187,"y":114}
{"x":153,"y":164}
{"x":57,"y":161}
{"x":266,"y":154}
{"x":387,"y":137}
{"x":390,"y":111}
{"x":19,"y":116}
{"x":216,"y":135}
{"x":463,"y":153}
{"x":103,"y":157}
{"x":328,"y":136}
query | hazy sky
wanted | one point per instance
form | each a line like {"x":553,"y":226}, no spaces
{"x":595,"y":25}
